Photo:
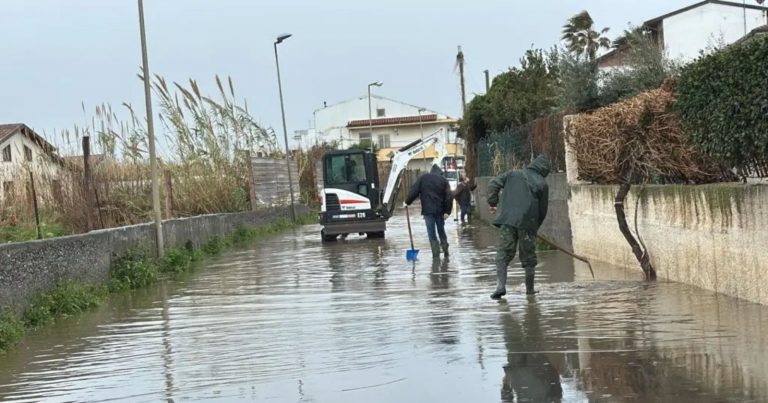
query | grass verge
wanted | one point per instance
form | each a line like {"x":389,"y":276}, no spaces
{"x":129,"y":272}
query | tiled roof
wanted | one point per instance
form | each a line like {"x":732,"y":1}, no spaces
{"x":400,"y":120}
{"x":8,"y":130}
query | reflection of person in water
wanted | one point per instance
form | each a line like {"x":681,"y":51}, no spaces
{"x":439,"y":275}
{"x":442,"y":318}
{"x":529,"y":375}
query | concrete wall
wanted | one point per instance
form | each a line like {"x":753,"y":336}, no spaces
{"x":711,"y":236}
{"x":556,"y":227}
{"x":30,"y":268}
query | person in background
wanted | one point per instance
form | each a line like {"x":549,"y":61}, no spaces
{"x":523,"y":208}
{"x":463,"y":196}
{"x":436,"y":205}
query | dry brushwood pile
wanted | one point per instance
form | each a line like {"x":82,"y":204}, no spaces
{"x":637,"y":141}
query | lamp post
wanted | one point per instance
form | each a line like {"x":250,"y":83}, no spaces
{"x":370,"y":117}
{"x":279,"y":40}
{"x":421,"y":127}
{"x":151,"y":136}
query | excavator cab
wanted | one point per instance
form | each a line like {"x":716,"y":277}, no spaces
{"x":352,"y":200}
{"x":353,"y":171}
{"x":351,"y":195}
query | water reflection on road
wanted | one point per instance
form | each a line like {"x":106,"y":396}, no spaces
{"x":291,"y":319}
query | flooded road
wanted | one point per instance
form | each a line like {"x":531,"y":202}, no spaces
{"x":290,"y":319}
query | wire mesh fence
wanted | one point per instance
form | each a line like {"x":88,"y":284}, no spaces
{"x":518,"y":146}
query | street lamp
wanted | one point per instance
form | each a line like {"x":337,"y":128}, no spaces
{"x":280,"y":39}
{"x":421,"y":127}
{"x":370,"y":118}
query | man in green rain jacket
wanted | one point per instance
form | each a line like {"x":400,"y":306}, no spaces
{"x":523,"y":209}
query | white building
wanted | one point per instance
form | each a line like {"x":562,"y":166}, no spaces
{"x":21,"y":151}
{"x":683,"y":34}
{"x":394,"y":125}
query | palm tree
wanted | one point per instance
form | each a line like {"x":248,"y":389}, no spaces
{"x":580,"y":37}
{"x":630,"y":37}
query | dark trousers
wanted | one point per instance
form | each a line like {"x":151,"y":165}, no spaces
{"x":513,"y":240}
{"x":436,"y":227}
{"x":465,"y":211}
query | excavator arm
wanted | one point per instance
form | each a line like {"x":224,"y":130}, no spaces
{"x":400,"y":162}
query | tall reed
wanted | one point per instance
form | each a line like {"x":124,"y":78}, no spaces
{"x":203,"y":144}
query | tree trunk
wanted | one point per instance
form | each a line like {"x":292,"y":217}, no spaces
{"x":642,"y":255}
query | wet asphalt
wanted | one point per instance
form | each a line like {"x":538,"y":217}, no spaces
{"x":290,"y":319}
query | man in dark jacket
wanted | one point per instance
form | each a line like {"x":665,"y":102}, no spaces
{"x":436,"y":205}
{"x":523,"y":209}
{"x":463,"y":196}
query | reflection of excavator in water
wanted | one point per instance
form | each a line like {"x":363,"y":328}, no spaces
{"x":352,"y":200}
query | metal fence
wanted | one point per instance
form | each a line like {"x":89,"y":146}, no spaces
{"x":518,"y":146}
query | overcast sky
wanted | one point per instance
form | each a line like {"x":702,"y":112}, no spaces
{"x":57,"y":54}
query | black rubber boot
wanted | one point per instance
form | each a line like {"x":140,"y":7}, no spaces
{"x":529,"y":290}
{"x":435,"y":245}
{"x":501,"y":282}
{"x":498,"y":294}
{"x":445,"y":248}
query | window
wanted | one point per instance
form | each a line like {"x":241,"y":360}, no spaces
{"x":7,"y":154}
{"x":380,"y":112}
{"x":451,"y":175}
{"x":365,"y":139}
{"x":7,"y":190}
{"x":27,"y":154}
{"x":345,"y":169}
{"x":383,"y":140}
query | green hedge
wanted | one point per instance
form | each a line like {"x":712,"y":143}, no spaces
{"x":723,"y":103}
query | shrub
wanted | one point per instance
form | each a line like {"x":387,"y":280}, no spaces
{"x":11,"y":330}
{"x":133,"y":271}
{"x":215,"y":246}
{"x":723,"y":103}
{"x":176,"y":260}
{"x":637,"y":141}
{"x":64,"y":300}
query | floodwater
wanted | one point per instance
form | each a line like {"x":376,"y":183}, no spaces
{"x":290,"y":319}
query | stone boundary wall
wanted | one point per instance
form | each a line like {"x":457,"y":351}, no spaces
{"x":556,"y":227}
{"x":30,"y":268}
{"x":710,"y":236}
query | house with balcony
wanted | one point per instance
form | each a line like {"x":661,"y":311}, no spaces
{"x":394,"y":124}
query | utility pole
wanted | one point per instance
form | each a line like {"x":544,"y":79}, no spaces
{"x":487,"y":81}
{"x":151,"y":136}
{"x":87,"y":182}
{"x":745,"y":16}
{"x":460,"y":63}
